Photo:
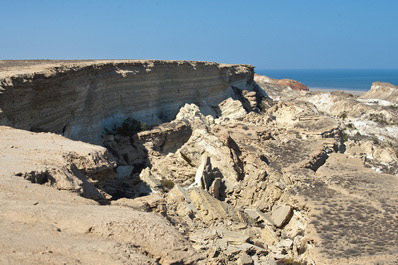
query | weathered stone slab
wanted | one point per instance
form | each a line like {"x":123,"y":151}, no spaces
{"x":281,"y":215}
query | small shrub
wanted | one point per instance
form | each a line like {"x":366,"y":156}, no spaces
{"x":131,"y":126}
{"x":344,"y":136}
{"x":167,"y":184}
{"x":379,"y":118}
{"x":343,"y":116}
{"x":128,"y":127}
{"x":265,"y":104}
{"x":394,"y":107}
{"x":375,"y":140}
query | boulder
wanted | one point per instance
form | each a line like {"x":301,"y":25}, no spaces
{"x":269,"y":236}
{"x":281,"y":215}
{"x":231,"y":109}
{"x":245,"y":260}
{"x":203,"y":176}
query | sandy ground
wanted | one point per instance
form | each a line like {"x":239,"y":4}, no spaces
{"x":353,"y":92}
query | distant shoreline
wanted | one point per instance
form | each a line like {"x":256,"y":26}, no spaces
{"x":336,"y":79}
{"x":353,"y":92}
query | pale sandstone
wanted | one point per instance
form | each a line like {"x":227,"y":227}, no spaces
{"x":281,"y":215}
{"x":297,"y":151}
{"x":47,"y":158}
{"x":382,"y":91}
{"x":80,"y":99}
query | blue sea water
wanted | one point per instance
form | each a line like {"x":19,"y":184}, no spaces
{"x":350,"y":79}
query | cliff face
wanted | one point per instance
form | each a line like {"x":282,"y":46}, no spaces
{"x":81,"y":98}
{"x":289,"y":178}
{"x":383,"y":91}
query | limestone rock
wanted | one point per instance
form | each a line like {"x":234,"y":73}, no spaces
{"x":281,"y":215}
{"x":286,"y":243}
{"x":325,"y":155}
{"x":193,"y":114}
{"x":382,"y":90}
{"x":204,"y":143}
{"x":165,"y":138}
{"x":203,"y":176}
{"x":215,"y":188}
{"x":245,"y":260}
{"x":209,"y":208}
{"x":102,"y":233}
{"x":181,"y":198}
{"x":269,"y":236}
{"x":150,"y":180}
{"x":251,"y":97}
{"x":99,"y":94}
{"x":208,"y":178}
{"x":47,"y":158}
{"x":144,"y":203}
{"x":232,"y":109}
{"x":234,"y":238}
{"x":258,"y":216}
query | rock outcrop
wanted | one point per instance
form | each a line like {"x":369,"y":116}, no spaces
{"x":41,"y":225}
{"x":80,"y":99}
{"x":269,"y":175}
{"x":47,"y":158}
{"x":293,"y":84}
{"x":382,"y":91}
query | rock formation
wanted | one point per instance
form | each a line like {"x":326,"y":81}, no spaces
{"x":80,"y":99}
{"x":293,"y":84}
{"x":269,"y":175}
{"x":382,"y":91}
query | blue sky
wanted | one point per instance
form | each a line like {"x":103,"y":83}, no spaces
{"x":267,"y":34}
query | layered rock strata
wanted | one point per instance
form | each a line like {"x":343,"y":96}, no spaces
{"x":274,"y":176}
{"x":382,"y":91}
{"x":80,"y":99}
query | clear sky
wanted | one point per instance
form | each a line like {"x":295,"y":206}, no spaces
{"x":267,"y":34}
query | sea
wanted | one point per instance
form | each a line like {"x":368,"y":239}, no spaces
{"x":344,"y":79}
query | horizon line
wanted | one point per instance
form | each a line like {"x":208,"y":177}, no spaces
{"x":256,"y":68}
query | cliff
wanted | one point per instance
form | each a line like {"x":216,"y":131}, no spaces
{"x":81,"y":98}
{"x":383,"y":91}
{"x":278,"y":176}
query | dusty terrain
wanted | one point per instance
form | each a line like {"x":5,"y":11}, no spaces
{"x":265,"y":174}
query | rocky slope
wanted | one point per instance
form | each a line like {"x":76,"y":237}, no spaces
{"x":274,"y":176}
{"x":382,"y":91}
{"x":81,"y":98}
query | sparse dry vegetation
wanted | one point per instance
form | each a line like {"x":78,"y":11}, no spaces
{"x":128,"y":127}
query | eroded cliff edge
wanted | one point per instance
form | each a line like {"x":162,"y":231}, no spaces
{"x":81,"y":98}
{"x":280,"y":176}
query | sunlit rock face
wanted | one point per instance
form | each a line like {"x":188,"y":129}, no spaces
{"x":269,"y":175}
{"x":81,"y":98}
{"x":382,"y":91}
